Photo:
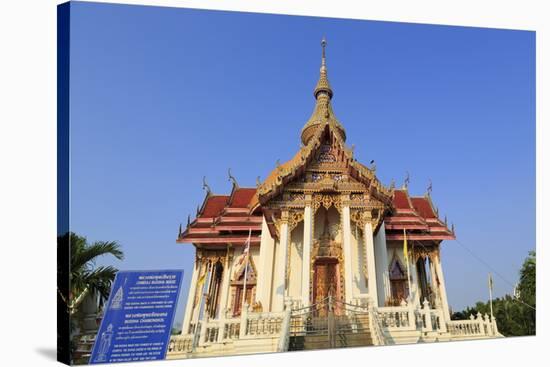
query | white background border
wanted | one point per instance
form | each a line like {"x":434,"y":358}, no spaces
{"x":28,"y":180}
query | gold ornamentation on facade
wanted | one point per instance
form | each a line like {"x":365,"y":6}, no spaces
{"x":326,"y":201}
{"x":361,"y":217}
{"x":210,"y":256}
{"x":423,"y":252}
{"x":333,"y":167}
{"x":295,"y":217}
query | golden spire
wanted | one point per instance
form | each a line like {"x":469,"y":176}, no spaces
{"x":322,"y":113}
{"x":323,"y":85}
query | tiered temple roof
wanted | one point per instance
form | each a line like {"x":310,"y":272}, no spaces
{"x":417,"y":216}
{"x":226,"y":219}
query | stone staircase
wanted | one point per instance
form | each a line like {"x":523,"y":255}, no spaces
{"x":348,"y":332}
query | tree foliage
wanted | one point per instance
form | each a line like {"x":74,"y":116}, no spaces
{"x":77,"y":277}
{"x":85,"y":277}
{"x":515,"y":314}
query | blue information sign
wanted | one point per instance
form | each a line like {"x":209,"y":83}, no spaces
{"x":138,"y":317}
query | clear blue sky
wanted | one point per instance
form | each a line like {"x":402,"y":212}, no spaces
{"x":162,"y":96}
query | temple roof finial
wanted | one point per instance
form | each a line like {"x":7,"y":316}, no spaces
{"x":406,"y":181}
{"x":232,"y":178}
{"x":429,"y":188}
{"x":323,"y":85}
{"x":205,"y":186}
{"x":324,"y":58}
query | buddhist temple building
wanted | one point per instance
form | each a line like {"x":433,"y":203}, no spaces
{"x":321,"y":238}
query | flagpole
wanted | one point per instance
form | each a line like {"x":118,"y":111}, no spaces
{"x":491,"y":294}
{"x":247,"y":250}
{"x":409,"y":278}
{"x":407,"y":261}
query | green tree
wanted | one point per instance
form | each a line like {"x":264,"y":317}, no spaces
{"x":527,"y":292}
{"x":84,"y":276}
{"x":77,"y":277}
{"x":515,"y":314}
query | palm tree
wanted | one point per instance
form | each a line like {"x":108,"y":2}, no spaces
{"x":85,"y":278}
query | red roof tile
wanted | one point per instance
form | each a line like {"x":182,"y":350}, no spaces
{"x":400,"y":199}
{"x":214,"y":205}
{"x":423,"y":207}
{"x":242,"y":197}
{"x":414,"y":214}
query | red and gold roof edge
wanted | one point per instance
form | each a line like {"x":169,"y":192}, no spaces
{"x":224,"y":219}
{"x":227,"y":219}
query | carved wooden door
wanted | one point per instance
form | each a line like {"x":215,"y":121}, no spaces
{"x":325,"y":283}
{"x":398,"y":288}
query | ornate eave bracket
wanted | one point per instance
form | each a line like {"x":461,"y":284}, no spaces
{"x":292,"y":217}
{"x":367,"y":214}
{"x":423,"y":252}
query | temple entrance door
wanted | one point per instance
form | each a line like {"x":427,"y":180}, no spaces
{"x":399,"y":291}
{"x":325,"y":282}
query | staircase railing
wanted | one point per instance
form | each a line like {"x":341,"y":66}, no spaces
{"x":375,"y":325}
{"x":284,"y":339}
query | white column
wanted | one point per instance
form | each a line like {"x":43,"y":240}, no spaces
{"x":415,"y":291}
{"x":382,"y":273}
{"x":265,"y":268}
{"x":442,"y":289}
{"x":280,"y":271}
{"x":306,"y":254}
{"x":190,"y":298}
{"x":433,"y":285}
{"x":348,"y":270}
{"x":371,"y":267}
{"x":225,"y":282}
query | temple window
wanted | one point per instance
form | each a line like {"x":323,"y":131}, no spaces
{"x":237,"y":287}
{"x":398,"y":282}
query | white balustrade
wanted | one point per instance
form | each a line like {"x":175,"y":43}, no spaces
{"x":180,"y":344}
{"x":396,"y":317}
{"x":382,"y":320}
{"x":251,"y":325}
{"x":263,"y":324}
{"x":479,"y":326}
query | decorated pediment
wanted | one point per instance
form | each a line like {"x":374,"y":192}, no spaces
{"x":324,"y":162}
{"x":328,"y":167}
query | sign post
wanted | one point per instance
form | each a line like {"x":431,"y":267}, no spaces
{"x":138,"y":317}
